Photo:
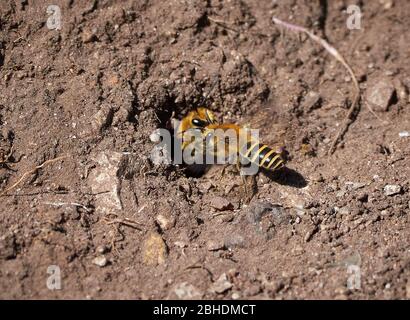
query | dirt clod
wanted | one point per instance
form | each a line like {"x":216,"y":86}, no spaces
{"x":379,"y":95}
{"x":221,"y":285}
{"x":221,"y":204}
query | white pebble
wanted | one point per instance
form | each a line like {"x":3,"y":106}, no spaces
{"x":404,"y":134}
{"x":100,"y":261}
{"x":392,"y":189}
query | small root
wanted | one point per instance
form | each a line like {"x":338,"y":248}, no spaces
{"x":116,"y":223}
{"x":123,"y":221}
{"x":75,"y":204}
{"x":3,"y":193}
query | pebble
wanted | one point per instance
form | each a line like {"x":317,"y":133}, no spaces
{"x":221,"y":285}
{"x":155,"y":136}
{"x":102,"y":249}
{"x":100,"y":261}
{"x":213,"y":245}
{"x":234,"y":240}
{"x":387,"y":4}
{"x":379,"y":95}
{"x":154,"y":250}
{"x":402,"y":91}
{"x":311,"y":101}
{"x":89,"y":36}
{"x":310,"y":234}
{"x":187,"y":291}
{"x":252,"y":290}
{"x":392,"y":189}
{"x":236,"y":296}
{"x":164,"y":222}
{"x":354,"y":185}
{"x":221,"y":204}
{"x":101,"y":119}
{"x":404,"y":134}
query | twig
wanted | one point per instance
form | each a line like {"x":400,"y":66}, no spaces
{"x":60,"y":204}
{"x":330,"y":49}
{"x":123,"y":221}
{"x":196,"y":266}
{"x":116,"y":223}
{"x":30,"y":172}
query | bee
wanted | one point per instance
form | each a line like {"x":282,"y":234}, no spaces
{"x":197,"y":119}
{"x":247,"y":149}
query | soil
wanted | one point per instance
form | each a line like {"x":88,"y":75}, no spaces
{"x":118,"y":226}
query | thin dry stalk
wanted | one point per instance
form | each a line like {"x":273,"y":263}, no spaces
{"x":30,"y":172}
{"x":349,"y":118}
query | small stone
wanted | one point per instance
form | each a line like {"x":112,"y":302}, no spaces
{"x":344,"y":211}
{"x":187,"y":291}
{"x":340,"y":194}
{"x":180,"y":244}
{"x":155,"y":136}
{"x":165,"y":222}
{"x":221,"y":204}
{"x":102,"y":249}
{"x":404,"y":134}
{"x":402,"y":91}
{"x":154,"y":250}
{"x":252,"y":290}
{"x":379,"y":95}
{"x":236,"y":296}
{"x":310,"y":234}
{"x":213,"y":245}
{"x":311,"y":101}
{"x":392,"y":189}
{"x":89,"y":36}
{"x":101,"y":119}
{"x":387,"y":4}
{"x":341,"y":291}
{"x":100,"y":261}
{"x":221,"y":285}
{"x":234,"y":240}
{"x":354,"y":185}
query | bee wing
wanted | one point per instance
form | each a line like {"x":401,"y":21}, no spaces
{"x":271,"y":129}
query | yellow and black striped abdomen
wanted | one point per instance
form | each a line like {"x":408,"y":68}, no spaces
{"x":262,"y":155}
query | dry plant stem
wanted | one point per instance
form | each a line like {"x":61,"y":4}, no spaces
{"x":30,"y":172}
{"x":122,"y":221}
{"x":75,"y":204}
{"x":348,"y":118}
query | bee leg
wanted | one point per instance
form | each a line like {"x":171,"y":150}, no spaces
{"x":248,"y":193}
